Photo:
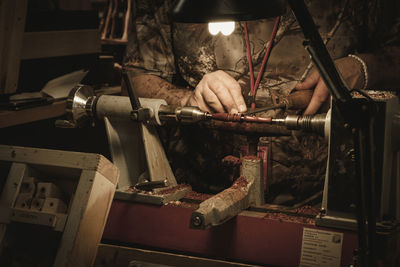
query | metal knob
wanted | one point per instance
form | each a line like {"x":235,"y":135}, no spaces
{"x":318,"y":123}
{"x":80,"y":105}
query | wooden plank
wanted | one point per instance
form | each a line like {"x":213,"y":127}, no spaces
{"x":129,"y":159}
{"x":55,"y":220}
{"x":114,"y":41}
{"x":124,"y":194}
{"x":16,"y":174}
{"x":86,"y":221}
{"x":12,"y":25}
{"x":89,"y":207}
{"x":109,"y":170}
{"x":77,"y":210}
{"x":93,"y":222}
{"x":76,"y":160}
{"x":11,"y":118}
{"x":33,"y":217}
{"x":59,"y":108}
{"x":110,"y":255}
{"x":157,"y":162}
{"x":60,"y":43}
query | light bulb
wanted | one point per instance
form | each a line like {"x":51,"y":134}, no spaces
{"x":226,"y":27}
{"x":213,"y":28}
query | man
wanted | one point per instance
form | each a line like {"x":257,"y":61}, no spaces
{"x":185,"y":65}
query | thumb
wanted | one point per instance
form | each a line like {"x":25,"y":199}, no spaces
{"x":310,"y":82}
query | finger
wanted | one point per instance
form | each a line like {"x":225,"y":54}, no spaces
{"x":320,"y":95}
{"x":212,"y":100}
{"x":197,"y":100}
{"x":310,"y":82}
{"x":326,"y":105}
{"x":235,"y":90}
{"x":223,"y":94}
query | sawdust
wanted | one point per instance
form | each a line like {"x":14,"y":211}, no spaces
{"x":306,"y":210}
{"x":197,"y":196}
{"x":159,"y":192}
{"x":289,"y":218}
{"x":183,"y":204}
{"x":251,"y":157}
{"x":231,"y":160}
{"x":303,"y":214}
{"x":241,"y":182}
{"x":171,"y":190}
{"x":379,"y":95}
{"x":132,"y":189}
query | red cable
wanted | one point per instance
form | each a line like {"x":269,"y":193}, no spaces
{"x":254,"y":87}
{"x":246,"y":36}
{"x":267,"y":54}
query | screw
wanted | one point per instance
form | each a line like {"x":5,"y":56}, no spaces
{"x":197,"y":221}
{"x":322,"y":211}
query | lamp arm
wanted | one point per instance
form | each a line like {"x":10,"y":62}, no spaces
{"x":359,"y":113}
{"x":319,"y":54}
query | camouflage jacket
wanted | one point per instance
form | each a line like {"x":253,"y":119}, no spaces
{"x":177,"y":50}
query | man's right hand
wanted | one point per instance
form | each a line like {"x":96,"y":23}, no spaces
{"x":218,"y":92}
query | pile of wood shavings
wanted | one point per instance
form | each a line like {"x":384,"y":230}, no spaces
{"x":303,"y":214}
{"x":182,"y":204}
{"x":197,"y":196}
{"x":289,"y":218}
{"x":165,"y":191}
{"x":170,"y":190}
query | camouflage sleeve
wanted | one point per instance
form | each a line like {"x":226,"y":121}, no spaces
{"x":149,"y":50}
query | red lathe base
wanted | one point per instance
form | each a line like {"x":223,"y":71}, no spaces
{"x":249,"y":237}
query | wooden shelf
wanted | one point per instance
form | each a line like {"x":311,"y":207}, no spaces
{"x":60,"y":43}
{"x":58,"y":108}
{"x":11,"y":118}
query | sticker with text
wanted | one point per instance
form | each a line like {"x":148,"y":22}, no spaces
{"x":321,"y":248}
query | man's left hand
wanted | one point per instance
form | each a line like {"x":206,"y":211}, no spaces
{"x":352,"y":72}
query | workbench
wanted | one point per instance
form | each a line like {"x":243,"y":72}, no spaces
{"x":253,"y":237}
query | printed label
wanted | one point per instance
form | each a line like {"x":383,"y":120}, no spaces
{"x":321,"y":248}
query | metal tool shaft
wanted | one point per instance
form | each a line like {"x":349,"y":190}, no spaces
{"x":312,"y":123}
{"x":185,"y":115}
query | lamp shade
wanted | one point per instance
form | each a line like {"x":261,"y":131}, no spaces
{"x":202,"y":11}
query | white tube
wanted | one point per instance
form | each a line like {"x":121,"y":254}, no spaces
{"x":120,"y":107}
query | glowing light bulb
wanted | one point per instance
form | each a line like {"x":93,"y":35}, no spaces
{"x":213,"y":28}
{"x":226,"y":27}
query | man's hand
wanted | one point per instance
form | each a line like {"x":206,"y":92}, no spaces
{"x":352,"y":73}
{"x":218,"y":92}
